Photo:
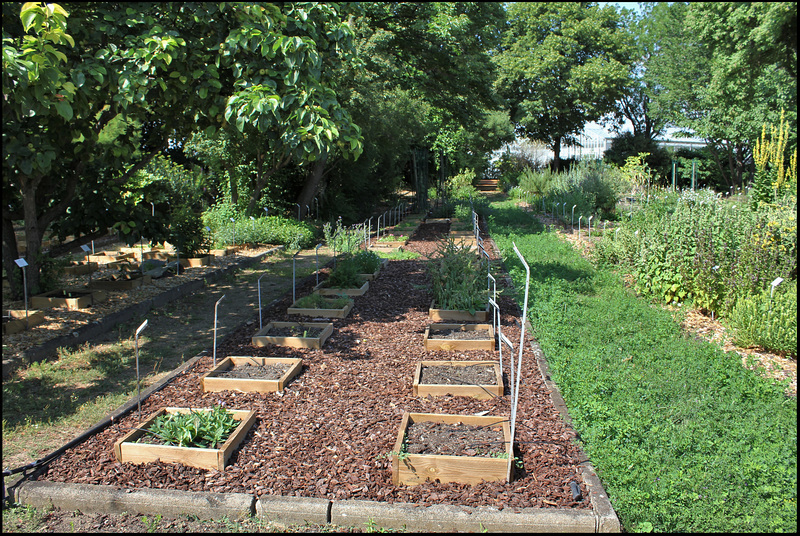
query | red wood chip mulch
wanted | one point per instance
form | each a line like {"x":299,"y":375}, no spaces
{"x":329,"y":433}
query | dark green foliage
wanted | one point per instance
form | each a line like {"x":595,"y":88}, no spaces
{"x":626,"y":144}
{"x":187,"y":232}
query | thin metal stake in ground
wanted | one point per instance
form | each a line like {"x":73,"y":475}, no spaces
{"x":515,"y":397}
{"x":259,"y":300}
{"x":215,"y":329}
{"x":138,"y":392}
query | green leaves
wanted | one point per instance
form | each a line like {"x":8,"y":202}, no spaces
{"x":198,"y":428}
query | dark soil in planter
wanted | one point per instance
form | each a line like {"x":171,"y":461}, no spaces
{"x":300,"y":331}
{"x":453,"y":439}
{"x":457,"y":334}
{"x":264,"y":372}
{"x":330,"y":433}
{"x":455,"y":375}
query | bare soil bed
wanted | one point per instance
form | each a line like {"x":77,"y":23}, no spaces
{"x":466,"y":375}
{"x":458,"y":439}
{"x":457,"y":334}
{"x":264,"y":372}
{"x":329,"y":433}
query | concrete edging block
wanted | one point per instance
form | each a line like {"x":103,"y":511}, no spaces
{"x":99,"y":499}
{"x":293,"y":510}
{"x":450,"y":518}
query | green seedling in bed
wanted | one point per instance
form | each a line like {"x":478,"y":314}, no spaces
{"x":393,"y":238}
{"x":203,"y":429}
{"x":317,"y":301}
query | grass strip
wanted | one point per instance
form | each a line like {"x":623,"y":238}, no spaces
{"x":684,"y":438}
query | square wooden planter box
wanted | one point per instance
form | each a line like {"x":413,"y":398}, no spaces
{"x":480,"y":391}
{"x":212,"y":383}
{"x":81,"y":269}
{"x":387,"y":247}
{"x":106,"y":258}
{"x":127,"y":450}
{"x":458,"y":315}
{"x":325,"y":291}
{"x":325,"y":313}
{"x":16,"y":321}
{"x":417,"y":468}
{"x":221,"y":252}
{"x":262,"y":337}
{"x":123,"y":282}
{"x":195,"y":262}
{"x":158,"y":254}
{"x":71,"y":299}
{"x":432,"y":342}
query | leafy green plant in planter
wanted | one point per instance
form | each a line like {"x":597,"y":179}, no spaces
{"x":203,"y":429}
{"x":458,"y":282}
{"x":345,"y":275}
{"x":366,"y":261}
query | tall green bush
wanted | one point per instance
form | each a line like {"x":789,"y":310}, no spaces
{"x":768,"y":321}
{"x":457,"y":281}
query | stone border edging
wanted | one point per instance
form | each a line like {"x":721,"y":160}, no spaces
{"x":98,"y":499}
{"x":47,"y":349}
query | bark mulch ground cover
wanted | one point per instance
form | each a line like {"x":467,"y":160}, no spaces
{"x":329,"y":433}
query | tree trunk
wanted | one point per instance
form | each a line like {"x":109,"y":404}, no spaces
{"x":556,"y":154}
{"x":33,"y":237}
{"x":311,"y":185}
{"x":261,"y":179}
{"x":10,"y":254}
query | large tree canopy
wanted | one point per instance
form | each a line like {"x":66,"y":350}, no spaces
{"x":563,"y":64}
{"x":172,"y":68}
{"x":722,"y":70}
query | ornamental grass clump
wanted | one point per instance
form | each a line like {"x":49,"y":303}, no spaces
{"x":458,"y":283}
{"x":198,"y":428}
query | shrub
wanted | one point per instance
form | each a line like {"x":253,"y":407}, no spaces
{"x":456,"y":278}
{"x":187,"y":231}
{"x":345,"y":275}
{"x":771,"y":323}
{"x":366,"y":261}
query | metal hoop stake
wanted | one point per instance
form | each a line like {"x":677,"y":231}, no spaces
{"x":521,"y":341}
{"x":215,"y":329}
{"x":260,"y":327}
{"x":138,"y":392}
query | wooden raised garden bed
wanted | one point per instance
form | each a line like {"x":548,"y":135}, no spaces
{"x":459,"y":337}
{"x":221,"y":252}
{"x":195,"y":262}
{"x":331,"y":312}
{"x":458,"y":315}
{"x":106,"y":258}
{"x":14,"y":321}
{"x":121,"y":282}
{"x":470,"y":467}
{"x":256,"y":374}
{"x":330,"y":291}
{"x":81,"y":268}
{"x":71,"y":299}
{"x":484,"y":381}
{"x":294,"y":334}
{"x":127,"y":449}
